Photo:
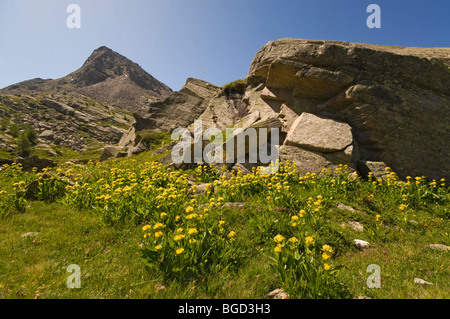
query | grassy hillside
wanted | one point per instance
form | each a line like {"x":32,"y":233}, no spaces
{"x":138,"y":230}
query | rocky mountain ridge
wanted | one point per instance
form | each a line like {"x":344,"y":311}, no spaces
{"x":83,"y":111}
{"x":106,"y":76}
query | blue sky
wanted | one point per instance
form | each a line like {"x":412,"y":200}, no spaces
{"x":213,"y":40}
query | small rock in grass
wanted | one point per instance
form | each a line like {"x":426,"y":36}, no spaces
{"x":201,"y":188}
{"x":349,"y":208}
{"x":439,"y":247}
{"x":422,"y":282}
{"x":30,"y":234}
{"x":191,"y":183}
{"x":234,"y":205}
{"x":239,"y":167}
{"x":361,"y":243}
{"x":356,"y":226}
{"x":203,"y":206}
{"x":344,"y":207}
{"x":278,"y":294}
{"x":227,"y":175}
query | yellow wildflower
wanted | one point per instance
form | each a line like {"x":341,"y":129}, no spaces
{"x":179,"y":251}
{"x":327,"y":248}
{"x":278,"y":248}
{"x":326,"y":255}
{"x":178,"y":237}
{"x":193,"y":231}
{"x":158,"y":234}
{"x":189,"y":209}
{"x":158,"y":247}
{"x":278,"y":238}
{"x":309,"y":240}
{"x":326,"y":266}
{"x":327,"y":252}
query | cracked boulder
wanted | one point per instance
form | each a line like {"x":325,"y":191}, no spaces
{"x":314,"y":143}
{"x":319,"y":134}
{"x":396,"y":100}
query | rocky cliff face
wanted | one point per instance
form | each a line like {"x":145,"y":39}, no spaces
{"x":394,"y":99}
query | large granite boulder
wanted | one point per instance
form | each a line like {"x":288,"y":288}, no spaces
{"x":324,"y":135}
{"x":395,"y":99}
{"x":314,"y":143}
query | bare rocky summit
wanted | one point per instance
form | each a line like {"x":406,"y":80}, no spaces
{"x":106,"y":76}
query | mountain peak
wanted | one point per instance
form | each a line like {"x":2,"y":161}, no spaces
{"x":106,"y":64}
{"x":108,"y":76}
{"x":102,"y":64}
{"x":103,"y":48}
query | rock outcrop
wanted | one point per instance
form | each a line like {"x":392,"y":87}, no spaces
{"x":179,"y":109}
{"x":367,"y":106}
{"x":395,"y":99}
